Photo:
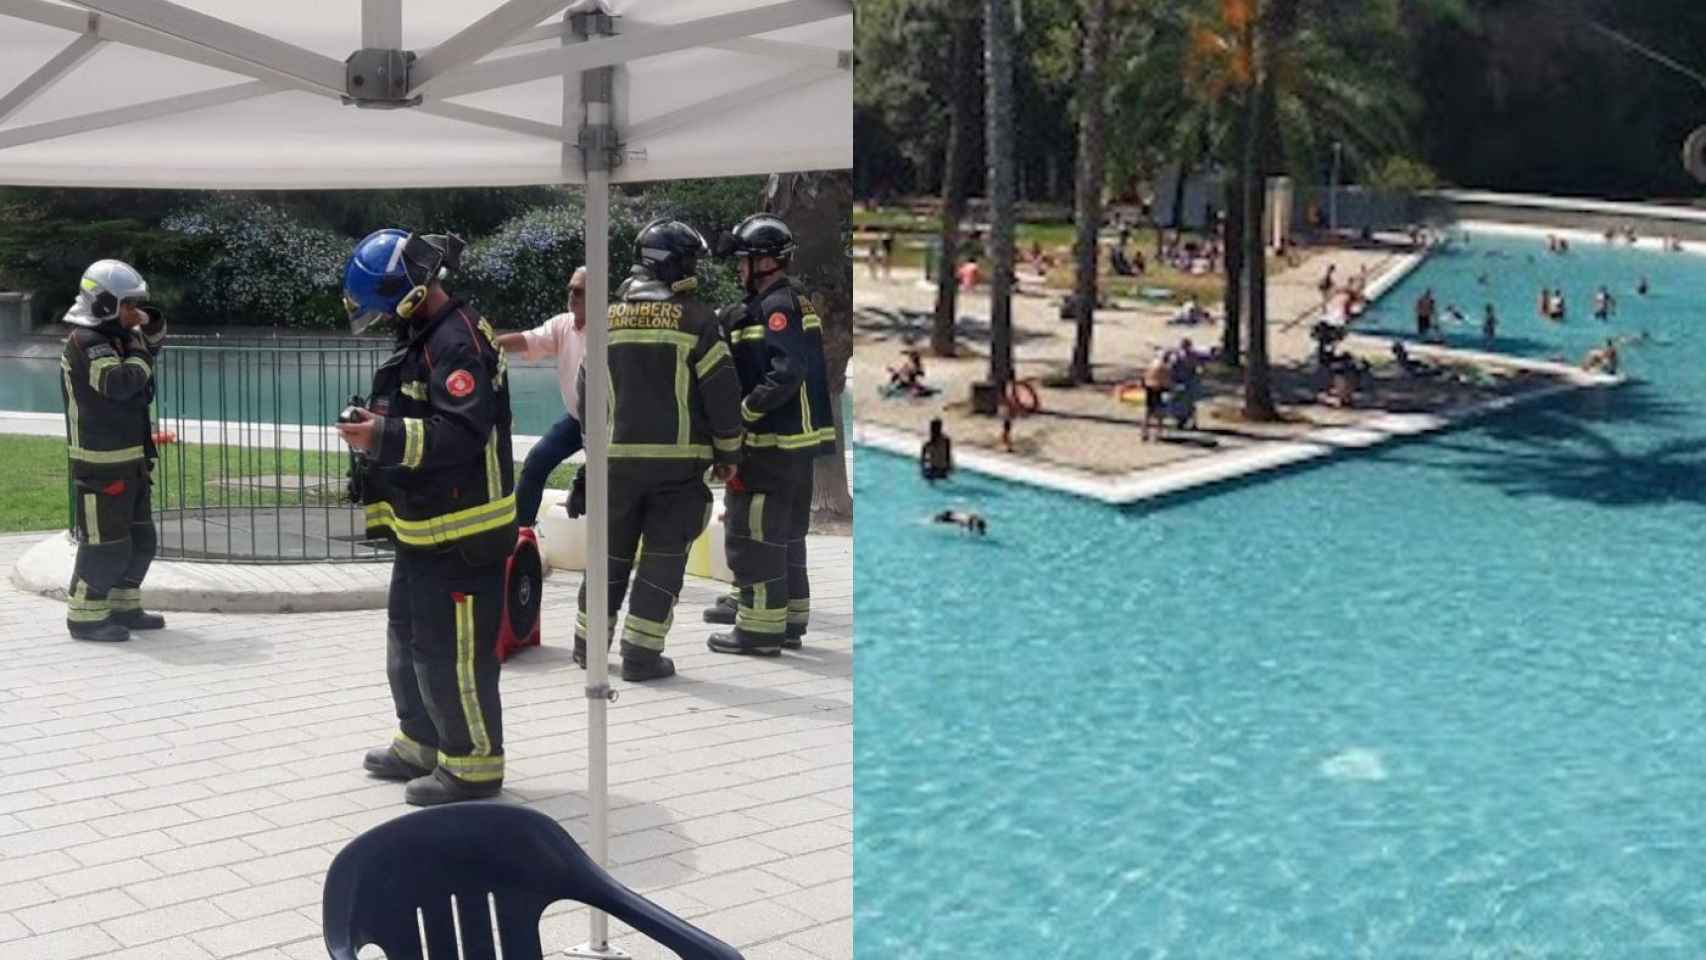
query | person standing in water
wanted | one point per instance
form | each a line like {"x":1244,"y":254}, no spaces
{"x":936,"y":458}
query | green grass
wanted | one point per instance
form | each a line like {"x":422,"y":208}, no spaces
{"x":34,"y":496}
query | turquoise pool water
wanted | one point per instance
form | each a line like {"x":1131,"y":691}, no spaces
{"x":1443,"y":699}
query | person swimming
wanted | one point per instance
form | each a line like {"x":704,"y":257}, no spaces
{"x":970,"y":521}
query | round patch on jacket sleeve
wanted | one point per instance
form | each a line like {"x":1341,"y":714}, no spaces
{"x":778,"y":322}
{"x":459,"y":383}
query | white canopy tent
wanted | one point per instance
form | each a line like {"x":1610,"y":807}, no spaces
{"x":251,"y":94}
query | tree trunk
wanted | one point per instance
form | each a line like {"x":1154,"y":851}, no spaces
{"x":957,"y":170}
{"x":1178,"y":216}
{"x":1258,"y":388}
{"x":998,"y":57}
{"x":1232,"y":248}
{"x":819,"y":209}
{"x":1092,"y":117}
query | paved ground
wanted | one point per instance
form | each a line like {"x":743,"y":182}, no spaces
{"x":181,"y":796}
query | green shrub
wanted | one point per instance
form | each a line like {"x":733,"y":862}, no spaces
{"x":260,"y":267}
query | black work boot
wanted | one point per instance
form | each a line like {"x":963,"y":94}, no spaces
{"x":640,"y":664}
{"x":104,"y":631}
{"x":139,"y":620}
{"x":791,"y":636}
{"x":723,"y":611}
{"x":387,"y":764}
{"x":439,"y":787}
{"x":745,"y":644}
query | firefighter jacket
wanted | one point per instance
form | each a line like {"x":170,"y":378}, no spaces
{"x":674,"y":394}
{"x":778,"y":350}
{"x":107,"y":383}
{"x":442,"y":467}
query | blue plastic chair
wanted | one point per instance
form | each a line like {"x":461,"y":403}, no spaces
{"x":518,"y":855}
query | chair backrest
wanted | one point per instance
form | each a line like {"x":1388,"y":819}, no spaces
{"x":404,"y":876}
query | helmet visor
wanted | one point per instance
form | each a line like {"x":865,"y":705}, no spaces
{"x":360,"y":320}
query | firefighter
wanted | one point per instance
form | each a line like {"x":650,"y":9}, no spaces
{"x":439,"y":485}
{"x":778,"y":349}
{"x":675,"y":411}
{"x":107,"y":383}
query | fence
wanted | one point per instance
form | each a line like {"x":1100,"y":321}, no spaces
{"x":257,"y":474}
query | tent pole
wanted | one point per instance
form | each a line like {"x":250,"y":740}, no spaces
{"x":593,"y":146}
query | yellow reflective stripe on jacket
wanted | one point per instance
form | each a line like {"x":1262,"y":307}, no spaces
{"x":633,"y":335}
{"x":754,"y":332}
{"x":494,"y":484}
{"x":791,"y":441}
{"x":142,"y":362}
{"x":718,"y":353}
{"x":444,"y":529}
{"x":683,"y":418}
{"x":70,"y":402}
{"x":414,"y":441}
{"x":812,"y":322}
{"x":91,"y":519}
{"x":465,"y":682}
{"x":661,"y":451}
{"x":124,"y":455}
{"x":415,"y":390}
{"x":748,"y":414}
{"x":98,"y":368}
{"x":726,"y":444}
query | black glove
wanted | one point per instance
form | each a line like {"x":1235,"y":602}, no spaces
{"x":730,"y":315}
{"x":577,"y":496}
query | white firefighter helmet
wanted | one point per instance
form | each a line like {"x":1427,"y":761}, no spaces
{"x":105,"y":285}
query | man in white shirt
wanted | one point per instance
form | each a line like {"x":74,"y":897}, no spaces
{"x":564,"y":337}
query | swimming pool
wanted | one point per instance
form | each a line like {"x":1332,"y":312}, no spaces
{"x":1438,"y":699}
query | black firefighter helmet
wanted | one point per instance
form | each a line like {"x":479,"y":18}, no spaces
{"x":668,"y":249}
{"x":760,"y":235}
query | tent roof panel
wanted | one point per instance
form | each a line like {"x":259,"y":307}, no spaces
{"x":292,"y":139}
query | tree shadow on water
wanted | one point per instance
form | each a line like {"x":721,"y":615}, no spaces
{"x":1584,"y":448}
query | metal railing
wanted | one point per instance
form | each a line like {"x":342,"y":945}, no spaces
{"x":256,"y":473}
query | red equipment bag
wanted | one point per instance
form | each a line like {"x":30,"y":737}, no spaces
{"x":524,"y":586}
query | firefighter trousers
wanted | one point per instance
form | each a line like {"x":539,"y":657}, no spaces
{"x":115,"y":545}
{"x":652,"y":526}
{"x":441,"y":658}
{"x":765,"y":524}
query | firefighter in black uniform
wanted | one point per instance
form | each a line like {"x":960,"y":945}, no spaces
{"x":778,"y":348}
{"x":675,"y":411}
{"x":439,"y":486}
{"x":107,"y":383}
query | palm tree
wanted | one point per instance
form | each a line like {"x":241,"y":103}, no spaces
{"x":1092,"y":113}
{"x":998,"y":60}
{"x":819,"y":209}
{"x":956,"y":168}
{"x":1209,"y":72}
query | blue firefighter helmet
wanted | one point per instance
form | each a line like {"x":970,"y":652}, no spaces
{"x":390,"y":271}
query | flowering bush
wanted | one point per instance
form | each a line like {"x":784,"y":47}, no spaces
{"x":259,"y":266}
{"x":518,"y":277}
